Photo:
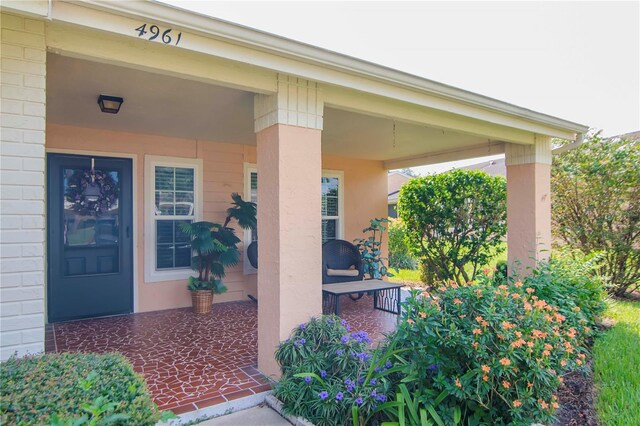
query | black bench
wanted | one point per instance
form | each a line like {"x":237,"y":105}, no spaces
{"x":386,"y":295}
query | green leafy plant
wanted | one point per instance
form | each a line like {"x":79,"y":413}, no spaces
{"x":399,"y":254}
{"x":327,"y":370}
{"x":497,"y":350}
{"x":596,"y":206}
{"x":215,"y":246}
{"x":74,"y":389}
{"x":370,"y":249}
{"x":454,"y":219}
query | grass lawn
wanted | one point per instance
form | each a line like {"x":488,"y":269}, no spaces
{"x":616,"y":359}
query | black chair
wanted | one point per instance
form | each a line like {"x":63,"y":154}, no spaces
{"x":341,"y":255}
{"x":252,"y":254}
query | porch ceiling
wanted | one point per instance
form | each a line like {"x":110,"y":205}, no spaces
{"x":171,"y":106}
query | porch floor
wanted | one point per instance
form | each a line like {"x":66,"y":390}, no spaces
{"x":194,"y":361}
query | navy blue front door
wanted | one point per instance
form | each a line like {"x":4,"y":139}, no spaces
{"x":89,"y":236}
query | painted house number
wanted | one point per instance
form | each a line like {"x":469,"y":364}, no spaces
{"x":155,"y":32}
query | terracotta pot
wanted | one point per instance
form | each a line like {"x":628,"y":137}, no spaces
{"x":201,"y":300}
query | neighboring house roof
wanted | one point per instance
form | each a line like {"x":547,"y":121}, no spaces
{"x":631,"y":135}
{"x":395,"y":181}
{"x":495,"y":167}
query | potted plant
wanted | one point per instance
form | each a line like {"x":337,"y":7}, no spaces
{"x":215,"y":247}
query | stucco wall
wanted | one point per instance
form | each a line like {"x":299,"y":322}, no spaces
{"x":365,"y":184}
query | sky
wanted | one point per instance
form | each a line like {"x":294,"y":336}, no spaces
{"x":579,"y":61}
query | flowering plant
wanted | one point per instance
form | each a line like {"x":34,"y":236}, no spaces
{"x":327,"y":369}
{"x":498,"y":351}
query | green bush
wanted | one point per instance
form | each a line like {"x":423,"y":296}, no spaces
{"x":327,"y":370}
{"x":455,"y":222}
{"x":596,"y":206}
{"x":74,"y":388}
{"x":571,"y":283}
{"x":496,"y":351}
{"x":399,"y":256}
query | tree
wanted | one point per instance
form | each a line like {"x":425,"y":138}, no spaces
{"x":596,"y":206}
{"x":455,"y":221}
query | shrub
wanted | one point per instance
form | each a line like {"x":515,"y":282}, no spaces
{"x":596,"y":206}
{"x":454,"y":219}
{"x":497,"y":352}
{"x":65,"y":388}
{"x":399,"y":256}
{"x":327,"y":370}
{"x":571,"y":284}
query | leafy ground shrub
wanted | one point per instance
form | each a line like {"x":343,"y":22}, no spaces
{"x":596,"y":206}
{"x":498,"y":352}
{"x":571,"y":285}
{"x":399,"y":255}
{"x":328,"y":369}
{"x":74,"y":389}
{"x":455,"y":222}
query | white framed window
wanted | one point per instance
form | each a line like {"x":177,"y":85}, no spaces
{"x":332,"y":193}
{"x":173,"y":194}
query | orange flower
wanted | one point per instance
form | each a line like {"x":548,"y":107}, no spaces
{"x":529,"y":290}
{"x":583,"y":356}
{"x":543,"y":404}
{"x":579,"y":361}
{"x":518,"y":284}
{"x":485,"y":324}
{"x":505,"y":361}
{"x":463,"y":316}
{"x":527,"y":306}
{"x":422,"y":314}
{"x":507,"y":325}
{"x":546,"y":353}
{"x":458,"y":384}
{"x":457,"y":301}
{"x":517,"y":403}
{"x":515,"y":296}
{"x":479,"y":318}
{"x":485,"y":368}
{"x":548,"y":346}
{"x":576,"y":309}
{"x":477,"y":331}
{"x":485,"y":378}
{"x":478,"y":293}
{"x":518,"y":334}
{"x":529,"y":384}
{"x":410,"y":321}
{"x":518,"y":343}
{"x":506,"y":384}
{"x":475,"y":345}
{"x":563,"y":363}
{"x":424,"y":294}
{"x":555,"y":405}
{"x":530,"y":344}
{"x":559,"y":317}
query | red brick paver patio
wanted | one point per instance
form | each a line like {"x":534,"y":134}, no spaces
{"x":194,"y":361}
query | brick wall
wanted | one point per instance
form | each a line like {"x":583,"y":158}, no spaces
{"x":22,"y":180}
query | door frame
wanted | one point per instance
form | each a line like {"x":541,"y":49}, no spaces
{"x":134,"y":223}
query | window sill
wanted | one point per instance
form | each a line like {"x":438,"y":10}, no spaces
{"x":160,"y":276}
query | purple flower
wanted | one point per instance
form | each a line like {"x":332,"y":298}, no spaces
{"x":374,"y":393}
{"x":343,"y":322}
{"x":359,"y":401}
{"x":344,"y":339}
{"x":323,"y":374}
{"x":339,"y":352}
{"x":433,"y":367}
{"x":361,"y":336}
{"x":330,"y":322}
{"x":303,"y":326}
{"x":373,"y":382}
{"x":381,"y":398}
{"x":299,"y":342}
{"x":307,"y":380}
{"x":360,"y":380}
{"x":388,"y":364}
{"x":323,"y":395}
{"x":377,"y":369}
{"x":339,"y":396}
{"x":348,"y":327}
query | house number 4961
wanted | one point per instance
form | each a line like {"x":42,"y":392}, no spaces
{"x":155,"y":32}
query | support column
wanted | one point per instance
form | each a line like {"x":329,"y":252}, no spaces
{"x":288,"y":125}
{"x":528,"y":204}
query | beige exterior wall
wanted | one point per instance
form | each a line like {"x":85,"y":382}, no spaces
{"x":22,"y":180}
{"x":365,"y":187}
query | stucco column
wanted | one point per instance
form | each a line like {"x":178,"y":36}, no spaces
{"x":288,"y":125}
{"x":528,"y":204}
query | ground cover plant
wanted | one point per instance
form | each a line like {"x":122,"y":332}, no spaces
{"x":498,"y":351}
{"x":616,"y":362}
{"x":455,"y":222}
{"x":327,"y":369}
{"x":78,"y":389}
{"x":596,"y":206}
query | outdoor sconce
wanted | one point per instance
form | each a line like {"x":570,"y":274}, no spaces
{"x":110,"y":104}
